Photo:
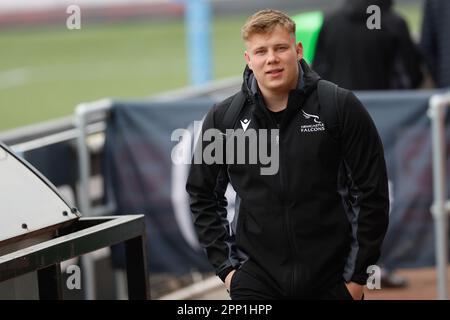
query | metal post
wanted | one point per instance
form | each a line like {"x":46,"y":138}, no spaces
{"x":84,"y":167}
{"x":437,"y":113}
{"x":198,"y":25}
{"x":83,"y":164}
{"x":136,"y":261}
{"x":49,"y":282}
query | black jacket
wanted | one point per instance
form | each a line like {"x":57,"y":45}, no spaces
{"x":357,"y":58}
{"x":322,"y":217}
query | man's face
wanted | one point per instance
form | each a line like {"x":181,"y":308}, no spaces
{"x":273,"y":57}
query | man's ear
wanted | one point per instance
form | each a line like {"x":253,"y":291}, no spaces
{"x":299,"y":49}
{"x":247,"y":59}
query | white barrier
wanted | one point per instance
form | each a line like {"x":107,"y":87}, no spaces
{"x":437,"y":109}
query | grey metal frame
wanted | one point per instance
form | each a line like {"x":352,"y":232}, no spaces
{"x":85,"y":235}
{"x":84,"y":114}
{"x":441,"y":206}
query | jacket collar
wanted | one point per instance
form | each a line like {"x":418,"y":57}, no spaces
{"x":307,"y":83}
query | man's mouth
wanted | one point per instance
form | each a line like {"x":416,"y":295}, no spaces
{"x":274,"y":72}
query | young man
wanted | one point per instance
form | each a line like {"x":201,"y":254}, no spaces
{"x":311,"y":230}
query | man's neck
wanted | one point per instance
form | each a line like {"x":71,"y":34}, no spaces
{"x":275,"y":102}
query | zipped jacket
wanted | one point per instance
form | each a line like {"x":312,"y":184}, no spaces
{"x":320,"y":218}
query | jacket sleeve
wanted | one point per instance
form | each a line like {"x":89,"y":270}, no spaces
{"x":367,"y":184}
{"x":206,"y":186}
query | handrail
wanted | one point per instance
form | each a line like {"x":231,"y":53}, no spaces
{"x":437,"y":109}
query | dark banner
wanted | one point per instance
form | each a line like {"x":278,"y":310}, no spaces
{"x":147,"y":173}
{"x":139,"y":171}
{"x":405,"y":129}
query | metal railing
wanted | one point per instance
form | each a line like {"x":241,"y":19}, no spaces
{"x":437,"y":109}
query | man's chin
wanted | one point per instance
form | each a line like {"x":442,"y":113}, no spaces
{"x":277,"y":87}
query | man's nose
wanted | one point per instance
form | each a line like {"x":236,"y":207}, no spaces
{"x":272,"y":57}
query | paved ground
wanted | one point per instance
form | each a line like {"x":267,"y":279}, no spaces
{"x":422,"y":286}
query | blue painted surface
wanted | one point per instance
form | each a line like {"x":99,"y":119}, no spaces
{"x":198,"y":27}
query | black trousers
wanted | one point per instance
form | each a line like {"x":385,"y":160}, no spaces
{"x":247,"y":286}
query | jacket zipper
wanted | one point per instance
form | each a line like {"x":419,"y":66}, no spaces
{"x":291,"y":239}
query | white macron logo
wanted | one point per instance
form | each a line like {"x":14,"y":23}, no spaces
{"x":245,"y":123}
{"x":317,"y":126}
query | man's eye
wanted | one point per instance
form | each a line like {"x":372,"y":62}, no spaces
{"x":259,"y":52}
{"x":282,"y":48}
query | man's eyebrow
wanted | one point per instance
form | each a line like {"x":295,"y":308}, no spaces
{"x":274,"y":45}
{"x":259,"y":48}
{"x":281,"y":44}
{"x":264,"y":47}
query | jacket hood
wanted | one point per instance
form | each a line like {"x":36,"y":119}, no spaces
{"x":307,"y":80}
{"x":357,"y":9}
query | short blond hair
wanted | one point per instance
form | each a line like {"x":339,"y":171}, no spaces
{"x":265,"y":21}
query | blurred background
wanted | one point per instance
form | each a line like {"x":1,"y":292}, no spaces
{"x":65,"y":90}
{"x":125,"y":49}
